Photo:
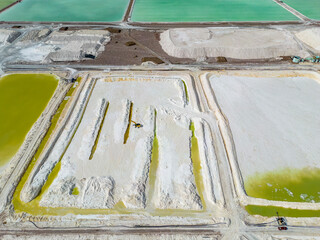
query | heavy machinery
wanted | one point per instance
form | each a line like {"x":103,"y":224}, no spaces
{"x":137,"y":125}
{"x":282,"y":222}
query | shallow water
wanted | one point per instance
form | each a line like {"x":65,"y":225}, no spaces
{"x":310,"y":8}
{"x":154,"y":163}
{"x":196,"y":162}
{"x":292,"y":185}
{"x":204,"y":10}
{"x":20,"y":206}
{"x":270,"y":211}
{"x":66,"y":10}
{"x":75,"y":191}
{"x":23,"y":97}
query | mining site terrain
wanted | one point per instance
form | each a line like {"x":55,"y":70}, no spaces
{"x":141,"y":126}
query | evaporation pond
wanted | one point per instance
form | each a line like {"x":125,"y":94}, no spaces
{"x":274,"y":122}
{"x":292,"y":185}
{"x":66,"y":11}
{"x":23,"y":97}
{"x":209,"y":11}
{"x":310,"y":8}
{"x":271,"y":211}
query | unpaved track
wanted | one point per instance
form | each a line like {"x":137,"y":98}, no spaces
{"x":225,"y":232}
{"x":225,"y":175}
{"x":292,"y":10}
{"x":127,"y":15}
{"x":163,"y":67}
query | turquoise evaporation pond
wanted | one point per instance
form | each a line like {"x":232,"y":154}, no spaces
{"x":66,"y":11}
{"x":309,"y":8}
{"x":209,"y":11}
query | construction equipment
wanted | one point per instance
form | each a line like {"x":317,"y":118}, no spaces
{"x":282,"y":222}
{"x":312,"y":59}
{"x":137,"y":125}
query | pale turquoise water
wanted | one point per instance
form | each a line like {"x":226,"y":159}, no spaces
{"x":309,"y":8}
{"x":66,"y":10}
{"x":209,"y":10}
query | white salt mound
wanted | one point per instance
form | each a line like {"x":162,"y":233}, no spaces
{"x":199,"y":43}
{"x":310,"y":37}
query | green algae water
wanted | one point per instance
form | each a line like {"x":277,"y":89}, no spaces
{"x":292,"y":185}
{"x":195,"y":157}
{"x":66,"y":11}
{"x":154,"y":162}
{"x":310,"y":8}
{"x":75,"y":191}
{"x":270,"y":211}
{"x":23,"y":97}
{"x":185,"y":90}
{"x":209,"y":11}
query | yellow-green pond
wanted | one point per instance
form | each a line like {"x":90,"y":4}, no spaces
{"x":289,"y":184}
{"x":23,"y":97}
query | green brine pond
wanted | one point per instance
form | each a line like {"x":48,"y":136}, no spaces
{"x":310,"y":8}
{"x":209,"y":11}
{"x":270,"y":211}
{"x":66,"y":11}
{"x":23,"y":97}
{"x":291,"y":185}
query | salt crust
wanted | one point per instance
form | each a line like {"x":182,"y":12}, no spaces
{"x":126,"y":184}
{"x":99,"y":183}
{"x":291,"y":83}
{"x":237,"y":43}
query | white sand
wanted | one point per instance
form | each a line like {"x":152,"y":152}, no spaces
{"x":250,"y":43}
